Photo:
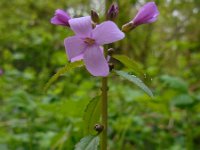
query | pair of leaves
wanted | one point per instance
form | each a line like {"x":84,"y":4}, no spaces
{"x":61,"y":71}
{"x":122,"y":58}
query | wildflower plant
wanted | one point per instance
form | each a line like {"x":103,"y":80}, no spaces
{"x":91,"y":47}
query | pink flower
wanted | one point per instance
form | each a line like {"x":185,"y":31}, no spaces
{"x":61,"y":18}
{"x":87,"y":42}
{"x":147,"y":14}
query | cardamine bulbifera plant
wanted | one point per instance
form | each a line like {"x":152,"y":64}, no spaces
{"x":91,"y":47}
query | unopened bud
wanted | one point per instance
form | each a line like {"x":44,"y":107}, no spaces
{"x":94,"y":16}
{"x":99,"y":128}
{"x":61,"y":18}
{"x":110,"y":51}
{"x":112,"y":12}
{"x":111,"y":66}
{"x":128,"y":27}
{"x":146,"y":14}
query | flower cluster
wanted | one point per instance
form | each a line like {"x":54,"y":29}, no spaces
{"x":89,"y":38}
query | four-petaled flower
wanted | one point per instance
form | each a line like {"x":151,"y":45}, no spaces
{"x":146,"y":14}
{"x":61,"y":18}
{"x":87,"y":42}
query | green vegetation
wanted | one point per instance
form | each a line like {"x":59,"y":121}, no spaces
{"x":166,"y":53}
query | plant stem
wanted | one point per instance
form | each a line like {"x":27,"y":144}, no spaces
{"x":104,"y":100}
{"x":104,"y":112}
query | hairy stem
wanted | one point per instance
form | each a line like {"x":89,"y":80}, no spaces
{"x":104,"y":112}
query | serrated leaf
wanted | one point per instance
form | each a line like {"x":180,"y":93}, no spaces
{"x":61,"y":71}
{"x":136,"y":81}
{"x":91,"y":115}
{"x":90,"y":142}
{"x":129,"y":63}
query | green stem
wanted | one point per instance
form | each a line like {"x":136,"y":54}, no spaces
{"x":104,"y":112}
{"x":104,"y":100}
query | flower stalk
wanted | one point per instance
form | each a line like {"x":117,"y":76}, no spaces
{"x":104,"y":100}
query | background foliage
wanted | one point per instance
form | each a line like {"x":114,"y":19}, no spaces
{"x":31,"y":50}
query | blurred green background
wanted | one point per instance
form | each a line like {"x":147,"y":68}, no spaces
{"x":31,"y":51}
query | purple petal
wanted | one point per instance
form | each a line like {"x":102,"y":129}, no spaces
{"x":147,"y":14}
{"x":74,"y":48}
{"x":81,"y":26}
{"x":95,"y":61}
{"x":79,"y":57}
{"x":107,"y":32}
{"x":56,"y":21}
{"x":151,"y":20}
{"x":61,"y":18}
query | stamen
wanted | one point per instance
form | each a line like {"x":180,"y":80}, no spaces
{"x":89,"y":41}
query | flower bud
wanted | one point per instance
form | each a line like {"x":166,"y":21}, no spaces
{"x":146,"y":14}
{"x":112,"y":12}
{"x":94,"y":16}
{"x":61,"y":18}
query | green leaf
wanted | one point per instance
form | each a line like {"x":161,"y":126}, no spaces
{"x":175,"y":83}
{"x":90,"y":142}
{"x":61,"y":71}
{"x":129,"y":63}
{"x":91,"y":115}
{"x":183,"y":100}
{"x":136,"y":81}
